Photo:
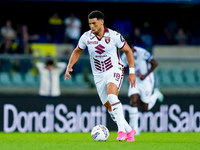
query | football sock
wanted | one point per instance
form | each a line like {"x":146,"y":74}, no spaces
{"x":126,"y":125}
{"x":133,"y":117}
{"x":117,"y":111}
{"x":112,"y":116}
{"x":152,"y":101}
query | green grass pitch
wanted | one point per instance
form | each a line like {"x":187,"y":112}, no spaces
{"x":83,"y":141}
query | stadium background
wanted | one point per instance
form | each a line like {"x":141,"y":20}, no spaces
{"x":178,"y":75}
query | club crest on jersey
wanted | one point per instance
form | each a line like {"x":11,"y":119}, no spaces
{"x":107,"y":40}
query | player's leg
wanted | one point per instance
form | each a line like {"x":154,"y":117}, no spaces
{"x":117,"y":111}
{"x":109,"y":108}
{"x":133,"y":112}
{"x":107,"y":101}
{"x":143,"y":106}
{"x":129,"y":130}
{"x":101,"y":86}
{"x":148,"y":104}
{"x":134,"y":97}
{"x":124,"y":130}
{"x":157,"y":95}
{"x":146,"y":89}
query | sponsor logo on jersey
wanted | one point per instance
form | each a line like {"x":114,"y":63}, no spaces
{"x":99,"y":49}
{"x":92,"y":42}
{"x":92,"y":37}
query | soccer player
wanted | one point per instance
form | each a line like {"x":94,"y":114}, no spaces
{"x":145,"y":64}
{"x":106,"y":67}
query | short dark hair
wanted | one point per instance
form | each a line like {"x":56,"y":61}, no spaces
{"x":96,"y":14}
{"x":49,"y":62}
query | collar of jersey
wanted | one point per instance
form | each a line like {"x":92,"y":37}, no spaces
{"x":106,"y":34}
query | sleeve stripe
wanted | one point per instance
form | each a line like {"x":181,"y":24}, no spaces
{"x":150,"y":57}
{"x":80,"y":48}
{"x":123,"y":45}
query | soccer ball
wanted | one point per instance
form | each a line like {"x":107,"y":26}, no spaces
{"x":100,"y":133}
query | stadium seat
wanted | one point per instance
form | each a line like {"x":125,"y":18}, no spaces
{"x":165,"y":79}
{"x":5,"y":79}
{"x":189,"y":77}
{"x":91,"y":77}
{"x":177,"y":77}
{"x":198,"y":76}
{"x":88,"y":78}
{"x":157,"y":78}
{"x":80,"y":80}
{"x":30,"y":79}
{"x":17,"y":79}
{"x":66,"y":82}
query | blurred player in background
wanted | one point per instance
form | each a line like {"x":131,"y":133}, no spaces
{"x":141,"y":94}
{"x":106,"y":67}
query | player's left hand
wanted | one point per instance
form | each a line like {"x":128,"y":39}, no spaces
{"x":132,"y":79}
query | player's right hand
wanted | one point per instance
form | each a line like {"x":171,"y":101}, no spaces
{"x":67,"y":75}
{"x":132,"y":80}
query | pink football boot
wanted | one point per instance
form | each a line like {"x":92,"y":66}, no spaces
{"x":121,"y":136}
{"x":130,"y":136}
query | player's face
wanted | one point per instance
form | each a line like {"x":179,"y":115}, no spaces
{"x":96,"y":25}
{"x":50,"y":67}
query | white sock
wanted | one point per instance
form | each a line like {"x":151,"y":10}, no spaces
{"x":117,"y":111}
{"x":112,"y":115}
{"x":152,"y":101}
{"x":133,"y":117}
{"x":126,"y":125}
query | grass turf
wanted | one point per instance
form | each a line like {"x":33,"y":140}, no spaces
{"x":83,"y":141}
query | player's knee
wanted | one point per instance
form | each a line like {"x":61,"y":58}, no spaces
{"x":108,"y":106}
{"x":144,"y":108}
{"x":133,"y":101}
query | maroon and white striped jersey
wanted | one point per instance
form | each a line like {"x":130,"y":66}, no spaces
{"x":103,"y":52}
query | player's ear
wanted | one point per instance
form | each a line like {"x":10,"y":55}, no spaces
{"x":102,"y":22}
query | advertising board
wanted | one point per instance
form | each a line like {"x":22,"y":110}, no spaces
{"x":82,"y":113}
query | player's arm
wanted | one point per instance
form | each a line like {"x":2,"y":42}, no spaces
{"x":154,"y":64}
{"x":61,"y":66}
{"x":129,"y":55}
{"x":40,"y":66}
{"x":73,"y":59}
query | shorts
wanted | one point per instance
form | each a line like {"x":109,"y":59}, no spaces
{"x":142,"y":87}
{"x":115,"y":75}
